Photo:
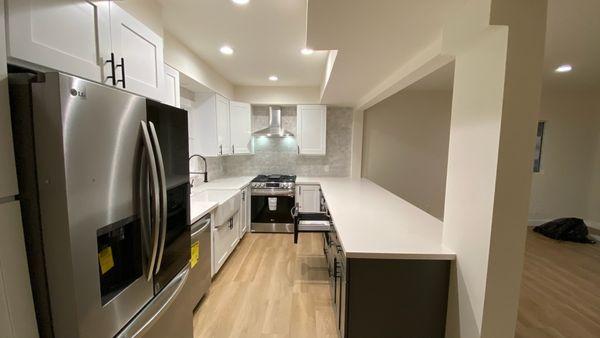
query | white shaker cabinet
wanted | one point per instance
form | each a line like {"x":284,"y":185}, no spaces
{"x":245,"y":212}
{"x":240,"y":115}
{"x":223,"y":125}
{"x":172,"y":89}
{"x":308,"y":198}
{"x":138,"y":54}
{"x":66,"y":35}
{"x":95,"y":40}
{"x":311,"y":129}
{"x":225,"y":239}
{"x":210,"y":128}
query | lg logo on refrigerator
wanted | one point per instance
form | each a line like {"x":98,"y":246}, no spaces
{"x":78,"y":93}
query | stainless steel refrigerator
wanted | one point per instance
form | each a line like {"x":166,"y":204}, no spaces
{"x":103,"y":178}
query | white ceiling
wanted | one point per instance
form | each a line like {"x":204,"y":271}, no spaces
{"x":266,"y":35}
{"x":573,"y":37}
{"x":373,"y":40}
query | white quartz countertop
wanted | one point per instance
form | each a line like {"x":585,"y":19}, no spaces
{"x":371,"y":222}
{"x":200,"y":208}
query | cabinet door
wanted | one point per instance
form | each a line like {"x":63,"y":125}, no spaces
{"x":192,"y":122}
{"x":312,"y":129}
{"x":244,"y":213}
{"x":171,"y":90}
{"x":225,"y":238}
{"x":241,"y":127}
{"x":308,"y":197}
{"x":223,"y":126}
{"x":142,"y":51}
{"x":72,"y":36}
{"x":237,"y":218}
{"x":248,"y":208}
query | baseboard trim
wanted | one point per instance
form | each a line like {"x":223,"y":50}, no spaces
{"x":532,"y":222}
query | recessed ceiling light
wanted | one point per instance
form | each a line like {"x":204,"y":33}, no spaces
{"x":306,"y":51}
{"x":273,"y":78}
{"x":564,"y":69}
{"x":240,"y":2}
{"x":226,"y":50}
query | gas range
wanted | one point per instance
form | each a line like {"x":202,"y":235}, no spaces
{"x":273,"y":200}
{"x":273,"y":185}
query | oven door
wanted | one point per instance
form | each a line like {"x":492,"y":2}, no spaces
{"x":272,"y":213}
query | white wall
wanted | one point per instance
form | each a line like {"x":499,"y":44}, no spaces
{"x":17,"y":315}
{"x":594,"y":193}
{"x":568,"y":184}
{"x":498,"y":47}
{"x":405,"y":146}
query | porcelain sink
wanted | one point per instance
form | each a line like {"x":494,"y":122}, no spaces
{"x":228,"y":202}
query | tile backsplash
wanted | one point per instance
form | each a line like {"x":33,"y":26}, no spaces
{"x":280,"y":155}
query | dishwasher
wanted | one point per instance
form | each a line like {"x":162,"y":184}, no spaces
{"x":200,"y":276}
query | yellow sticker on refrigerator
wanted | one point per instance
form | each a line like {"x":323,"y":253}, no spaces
{"x":195,"y":253}
{"x":105,"y":258}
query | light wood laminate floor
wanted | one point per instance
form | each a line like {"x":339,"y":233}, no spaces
{"x":560,"y":291}
{"x":269,"y":288}
{"x":273,"y":288}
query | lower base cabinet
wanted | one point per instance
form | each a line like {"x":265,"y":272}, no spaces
{"x":225,"y":239}
{"x":388,"y":298}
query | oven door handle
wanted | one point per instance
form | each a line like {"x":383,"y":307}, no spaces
{"x":272,"y":192}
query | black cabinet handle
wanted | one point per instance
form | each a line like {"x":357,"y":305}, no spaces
{"x":122,"y":66}
{"x":112,"y":69}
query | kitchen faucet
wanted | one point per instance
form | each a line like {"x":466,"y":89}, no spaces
{"x":205,"y":173}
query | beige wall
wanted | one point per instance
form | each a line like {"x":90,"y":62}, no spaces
{"x":405,"y":146}
{"x":176,"y":54}
{"x":146,"y":11}
{"x":180,"y":57}
{"x":568,"y":184}
{"x":594,"y":193}
{"x":277,"y":95}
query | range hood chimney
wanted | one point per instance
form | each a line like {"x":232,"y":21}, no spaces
{"x":274,"y":129}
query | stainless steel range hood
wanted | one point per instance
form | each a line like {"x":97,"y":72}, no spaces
{"x":274,"y":129}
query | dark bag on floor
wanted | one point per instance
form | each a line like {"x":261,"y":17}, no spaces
{"x":565,"y":229}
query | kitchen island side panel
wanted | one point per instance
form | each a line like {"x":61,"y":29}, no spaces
{"x":397,"y":298}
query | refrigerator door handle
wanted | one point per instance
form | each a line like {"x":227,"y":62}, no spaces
{"x":163,"y":195}
{"x":156,"y":307}
{"x":154,"y":210}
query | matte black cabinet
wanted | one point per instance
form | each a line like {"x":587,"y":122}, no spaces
{"x":387,"y":297}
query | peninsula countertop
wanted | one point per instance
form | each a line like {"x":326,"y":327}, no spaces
{"x":371,"y":222}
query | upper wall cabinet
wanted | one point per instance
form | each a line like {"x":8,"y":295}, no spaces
{"x":66,"y":35}
{"x":240,"y":115}
{"x":171,"y":91}
{"x":223,"y":126}
{"x":312,"y":129}
{"x":138,"y":54}
{"x":210,"y":125}
{"x":96,"y":40}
